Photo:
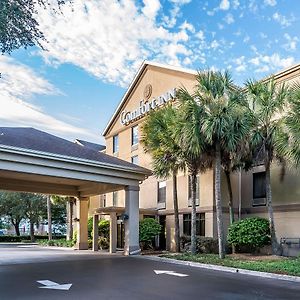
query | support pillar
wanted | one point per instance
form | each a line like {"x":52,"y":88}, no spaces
{"x":82,"y":224}
{"x":95,"y":232}
{"x":132,"y":246}
{"x":113,"y":233}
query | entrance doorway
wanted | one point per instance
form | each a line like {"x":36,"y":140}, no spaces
{"x":162,"y":235}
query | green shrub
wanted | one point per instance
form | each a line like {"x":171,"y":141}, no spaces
{"x":103,"y":243}
{"x":149,"y":228}
{"x":18,"y":239}
{"x":249,"y":234}
{"x":74,"y":236}
{"x":203,"y":244}
{"x":57,"y":243}
{"x":103,"y":227}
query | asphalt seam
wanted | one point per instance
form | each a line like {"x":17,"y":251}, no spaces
{"x":221,"y":268}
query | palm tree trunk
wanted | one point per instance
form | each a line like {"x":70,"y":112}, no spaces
{"x":31,"y":231}
{"x":49,"y":218}
{"x":176,"y":214}
{"x":275,"y":246}
{"x":218,"y":198}
{"x":230,"y":201}
{"x":193,"y":227}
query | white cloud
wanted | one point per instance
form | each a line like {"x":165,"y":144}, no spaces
{"x":200,"y":35}
{"x":241,"y":64}
{"x":291,"y":44}
{"x":224,"y":5}
{"x":270,"y":2}
{"x":187,"y":26}
{"x":214,"y":44}
{"x":110,"y":38}
{"x":283,"y":20}
{"x":229,"y":19}
{"x":235,"y":4}
{"x":17,"y":85}
{"x":267,"y":63}
{"x":151,"y":8}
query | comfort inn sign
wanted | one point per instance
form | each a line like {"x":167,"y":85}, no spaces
{"x":147,"y":105}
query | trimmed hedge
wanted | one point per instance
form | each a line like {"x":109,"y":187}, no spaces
{"x":57,"y":243}
{"x":249,"y":234}
{"x":18,"y":239}
{"x":204,"y":244}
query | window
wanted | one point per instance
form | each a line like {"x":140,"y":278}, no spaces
{"x":161,"y":197}
{"x":259,"y":189}
{"x":115,"y":143}
{"x":134,"y":135}
{"x":135,"y":159}
{"x":190,"y":190}
{"x":200,"y":224}
{"x":115,"y":198}
{"x":103,"y":200}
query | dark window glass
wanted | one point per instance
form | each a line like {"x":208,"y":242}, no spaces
{"x":135,"y":159}
{"x":187,"y":224}
{"x":162,"y":189}
{"x":134,"y":135}
{"x":200,"y":224}
{"x":259,"y":185}
{"x":115,"y":143}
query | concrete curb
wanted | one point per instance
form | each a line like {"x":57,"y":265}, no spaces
{"x":221,"y":268}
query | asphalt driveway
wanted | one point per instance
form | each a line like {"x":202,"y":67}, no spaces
{"x":100,"y":276}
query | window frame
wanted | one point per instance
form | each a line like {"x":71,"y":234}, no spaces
{"x":133,"y":136}
{"x":161,"y":204}
{"x":132,"y":159}
{"x":259,"y":198}
{"x":115,"y":145}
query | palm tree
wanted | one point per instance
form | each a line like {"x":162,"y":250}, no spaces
{"x":270,"y":137}
{"x":194,"y":150}
{"x":166,"y":159}
{"x":225,"y":124}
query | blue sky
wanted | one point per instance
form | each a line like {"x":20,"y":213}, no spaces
{"x":95,"y":47}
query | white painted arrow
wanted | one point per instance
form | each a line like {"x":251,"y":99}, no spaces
{"x":48,"y":284}
{"x":173,"y":273}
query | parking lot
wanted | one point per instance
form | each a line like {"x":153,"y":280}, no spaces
{"x":31,"y":272}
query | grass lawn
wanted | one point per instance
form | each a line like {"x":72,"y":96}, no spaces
{"x":278,"y":265}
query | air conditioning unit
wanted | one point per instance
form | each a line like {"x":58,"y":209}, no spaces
{"x":259,"y":201}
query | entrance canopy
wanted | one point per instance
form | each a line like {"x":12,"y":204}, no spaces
{"x":35,"y":161}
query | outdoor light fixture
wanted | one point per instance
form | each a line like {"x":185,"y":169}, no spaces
{"x":124,"y":217}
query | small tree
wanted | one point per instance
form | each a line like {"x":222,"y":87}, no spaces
{"x":149,"y":229}
{"x":35,"y":209}
{"x":18,"y":24}
{"x":12,"y":208}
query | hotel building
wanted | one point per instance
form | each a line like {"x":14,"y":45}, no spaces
{"x":153,"y":86}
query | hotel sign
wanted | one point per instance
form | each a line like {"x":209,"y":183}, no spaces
{"x":147,"y":105}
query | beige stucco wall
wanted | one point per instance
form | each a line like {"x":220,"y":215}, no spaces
{"x":284,"y":194}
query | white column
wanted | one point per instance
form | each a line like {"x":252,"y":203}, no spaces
{"x":132,"y":223}
{"x":113,"y":233}
{"x":82,"y":228}
{"x":95,"y":232}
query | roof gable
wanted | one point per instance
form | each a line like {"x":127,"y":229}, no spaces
{"x":145,"y":67}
